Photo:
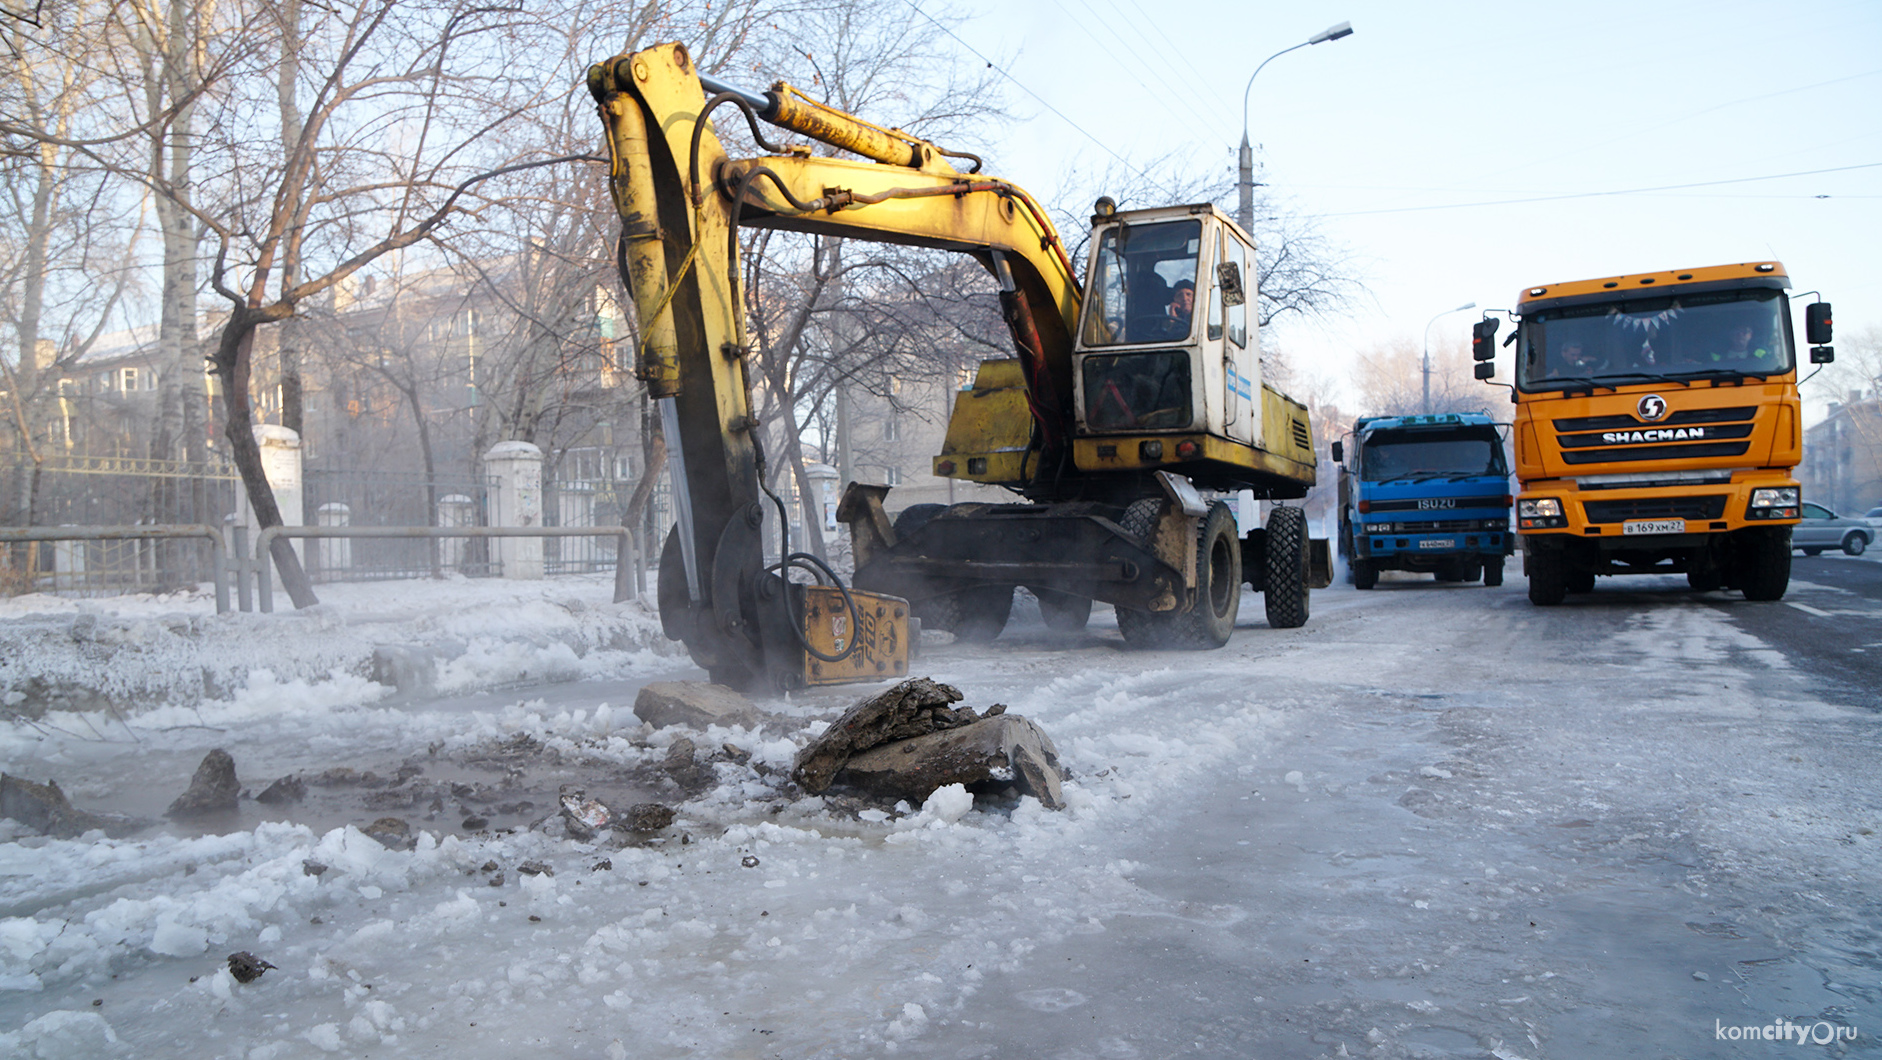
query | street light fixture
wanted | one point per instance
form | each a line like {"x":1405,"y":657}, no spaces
{"x":1428,"y":323}
{"x":1245,"y":187}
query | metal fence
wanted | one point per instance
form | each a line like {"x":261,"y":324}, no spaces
{"x":382,"y":498}
{"x":112,"y":491}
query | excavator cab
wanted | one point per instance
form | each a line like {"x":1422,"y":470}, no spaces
{"x":1167,"y":343}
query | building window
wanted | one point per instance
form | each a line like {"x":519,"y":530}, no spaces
{"x":892,"y":428}
{"x":128,"y":377}
{"x":892,"y":476}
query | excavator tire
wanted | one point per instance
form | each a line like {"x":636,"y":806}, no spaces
{"x":980,"y":613}
{"x":1286,"y":592}
{"x":1142,"y":629}
{"x":1063,"y":612}
{"x":1493,"y":571}
{"x":939,"y":611}
{"x":1218,"y":586}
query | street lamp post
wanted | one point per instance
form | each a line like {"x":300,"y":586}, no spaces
{"x":1245,"y":186}
{"x":1428,"y":323}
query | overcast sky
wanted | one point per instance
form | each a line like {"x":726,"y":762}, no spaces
{"x":1462,"y":151}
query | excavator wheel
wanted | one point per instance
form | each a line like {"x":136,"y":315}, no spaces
{"x":1493,"y":571}
{"x":980,"y":613}
{"x":1286,"y":591}
{"x":1063,"y":612}
{"x":1218,"y":586}
{"x":1143,"y":629}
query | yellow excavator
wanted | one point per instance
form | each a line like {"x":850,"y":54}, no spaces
{"x":1133,"y":400}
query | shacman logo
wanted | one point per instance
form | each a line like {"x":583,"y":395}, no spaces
{"x":1651,"y":408}
{"x":1658,"y":434}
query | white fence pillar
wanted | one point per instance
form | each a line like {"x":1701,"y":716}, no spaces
{"x":281,"y":465}
{"x":455,"y":509}
{"x":517,"y":469}
{"x":336,"y":553}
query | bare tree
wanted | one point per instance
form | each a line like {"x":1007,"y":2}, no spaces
{"x":65,"y":247}
{"x":427,"y":77}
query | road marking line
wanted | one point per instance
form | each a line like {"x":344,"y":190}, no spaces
{"x":1807,"y":609}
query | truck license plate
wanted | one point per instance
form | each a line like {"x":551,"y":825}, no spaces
{"x":1653,"y":526}
{"x":1438,"y":542}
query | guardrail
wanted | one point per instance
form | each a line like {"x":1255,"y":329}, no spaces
{"x":264,"y":568}
{"x":218,"y":546}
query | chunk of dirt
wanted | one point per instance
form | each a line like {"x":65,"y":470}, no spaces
{"x":287,"y":789}
{"x":214,"y":789}
{"x":45,"y":809}
{"x":246,"y":967}
{"x":682,"y":764}
{"x":646,"y":817}
{"x":391,"y":832}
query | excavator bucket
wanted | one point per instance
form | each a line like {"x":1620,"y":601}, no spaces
{"x":1319,"y":563}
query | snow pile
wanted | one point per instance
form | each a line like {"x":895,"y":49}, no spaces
{"x":453,"y":635}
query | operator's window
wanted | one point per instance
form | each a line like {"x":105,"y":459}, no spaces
{"x":1137,"y":391}
{"x":1143,"y":283}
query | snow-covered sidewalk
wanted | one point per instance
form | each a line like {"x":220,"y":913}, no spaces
{"x":127,"y":655}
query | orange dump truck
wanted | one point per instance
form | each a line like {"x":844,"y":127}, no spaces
{"x":1657,"y":427}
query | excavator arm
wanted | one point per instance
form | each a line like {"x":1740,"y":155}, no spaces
{"x":682,"y":199}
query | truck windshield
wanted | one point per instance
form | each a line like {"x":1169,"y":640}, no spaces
{"x":1143,"y":284}
{"x":1390,"y":456}
{"x":1716,"y":333}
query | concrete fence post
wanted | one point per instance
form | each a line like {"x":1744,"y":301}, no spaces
{"x":336,"y":553}
{"x":516,"y":468}
{"x":455,"y":509}
{"x":281,"y":463}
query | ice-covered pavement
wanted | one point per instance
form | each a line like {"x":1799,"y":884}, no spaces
{"x":1432,"y":822}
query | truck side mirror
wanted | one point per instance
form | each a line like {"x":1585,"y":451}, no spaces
{"x":1822,"y":354}
{"x":1817,"y":323}
{"x":1486,"y":369}
{"x":1483,"y":341}
{"x":1339,"y":453}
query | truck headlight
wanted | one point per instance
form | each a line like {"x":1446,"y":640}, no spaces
{"x":1775,"y":497}
{"x":1540,"y":508}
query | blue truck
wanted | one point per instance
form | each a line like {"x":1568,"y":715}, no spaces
{"x":1424,"y":493}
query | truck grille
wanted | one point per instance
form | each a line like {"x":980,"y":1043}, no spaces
{"x":1676,"y":451}
{"x":1683,"y":418}
{"x":1654,"y":508}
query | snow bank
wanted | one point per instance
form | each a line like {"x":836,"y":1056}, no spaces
{"x":133,"y":654}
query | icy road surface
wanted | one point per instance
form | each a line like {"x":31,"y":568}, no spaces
{"x":1434,"y":822}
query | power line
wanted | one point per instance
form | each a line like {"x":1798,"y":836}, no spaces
{"x":1021,"y":86}
{"x":1600,"y":194}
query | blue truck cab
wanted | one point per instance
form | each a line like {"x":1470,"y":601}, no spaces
{"x":1425,"y":493}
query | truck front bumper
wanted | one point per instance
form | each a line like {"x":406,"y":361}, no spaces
{"x":1649,"y":516}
